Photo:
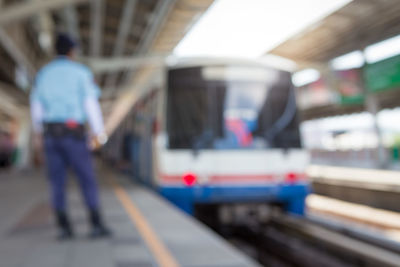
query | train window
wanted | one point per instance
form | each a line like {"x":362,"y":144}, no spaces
{"x":230,"y":112}
{"x":186,"y":108}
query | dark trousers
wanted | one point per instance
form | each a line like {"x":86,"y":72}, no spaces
{"x":64,"y":152}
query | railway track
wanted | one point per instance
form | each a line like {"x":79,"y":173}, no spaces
{"x":293,"y":241}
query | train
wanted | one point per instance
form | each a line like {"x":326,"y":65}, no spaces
{"x":217,"y":131}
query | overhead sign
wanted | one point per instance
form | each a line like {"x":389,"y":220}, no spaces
{"x":350,"y":86}
{"x":315,"y":94}
{"x":383,"y":75}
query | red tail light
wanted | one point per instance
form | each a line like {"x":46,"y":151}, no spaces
{"x":189,"y":179}
{"x":292,"y":177}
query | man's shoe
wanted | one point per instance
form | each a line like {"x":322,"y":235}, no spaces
{"x":99,"y":229}
{"x":64,"y":226}
{"x":99,"y":232}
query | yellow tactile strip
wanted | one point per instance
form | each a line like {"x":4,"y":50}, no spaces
{"x":162,"y":255}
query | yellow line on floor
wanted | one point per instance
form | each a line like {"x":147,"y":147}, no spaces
{"x":157,"y":248}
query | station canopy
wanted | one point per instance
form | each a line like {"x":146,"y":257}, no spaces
{"x":110,"y":32}
{"x":117,"y":36}
{"x":353,"y":27}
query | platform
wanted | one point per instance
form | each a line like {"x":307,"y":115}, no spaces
{"x":373,"y":187}
{"x":147,"y":230}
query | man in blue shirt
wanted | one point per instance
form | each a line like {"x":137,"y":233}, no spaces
{"x":64,"y":97}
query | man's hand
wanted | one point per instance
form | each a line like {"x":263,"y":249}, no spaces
{"x":98,"y":141}
{"x":37,"y":142}
{"x":37,"y":149}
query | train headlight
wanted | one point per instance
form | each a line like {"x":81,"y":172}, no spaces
{"x":292,"y":177}
{"x":189,"y":179}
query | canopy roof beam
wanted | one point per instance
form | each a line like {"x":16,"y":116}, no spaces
{"x":96,"y":25}
{"x":123,"y":33}
{"x":15,"y":53}
{"x":152,"y":30}
{"x":71,"y":22}
{"x":104,"y":65}
{"x":27,"y":9}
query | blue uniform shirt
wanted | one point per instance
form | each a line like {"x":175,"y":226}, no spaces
{"x":61,"y":87}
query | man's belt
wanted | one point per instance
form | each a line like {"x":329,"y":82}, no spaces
{"x":63,"y":129}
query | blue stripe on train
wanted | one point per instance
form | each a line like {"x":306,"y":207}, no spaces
{"x":292,"y":196}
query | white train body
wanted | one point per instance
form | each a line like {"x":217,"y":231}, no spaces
{"x":217,"y":131}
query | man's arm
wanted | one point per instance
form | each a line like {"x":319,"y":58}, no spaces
{"x":93,"y":111}
{"x":95,"y":119}
{"x":36,"y":116}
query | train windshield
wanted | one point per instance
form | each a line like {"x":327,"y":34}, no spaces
{"x":233,"y":107}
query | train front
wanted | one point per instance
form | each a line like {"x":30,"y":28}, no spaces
{"x":231,"y":136}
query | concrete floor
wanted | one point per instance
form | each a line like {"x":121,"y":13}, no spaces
{"x":27,"y":233}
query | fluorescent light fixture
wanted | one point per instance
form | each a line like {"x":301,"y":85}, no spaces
{"x":45,"y":41}
{"x":348,"y":61}
{"x":278,"y":62}
{"x":21,"y":78}
{"x":237,"y":28}
{"x":382,"y":50}
{"x":305,"y":76}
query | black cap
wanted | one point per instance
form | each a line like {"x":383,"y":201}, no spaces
{"x":64,"y":44}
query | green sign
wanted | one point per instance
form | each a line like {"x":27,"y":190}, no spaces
{"x":383,"y":75}
{"x":352,"y":100}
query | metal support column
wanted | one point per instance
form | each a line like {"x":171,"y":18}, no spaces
{"x":23,"y":142}
{"x":372,"y":106}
